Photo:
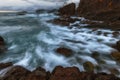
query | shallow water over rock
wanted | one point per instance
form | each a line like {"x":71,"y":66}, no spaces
{"x":32,"y":42}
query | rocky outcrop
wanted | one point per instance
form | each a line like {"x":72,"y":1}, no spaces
{"x":16,"y":73}
{"x":69,"y":73}
{"x":104,"y":10}
{"x":2,"y":45}
{"x":38,"y":74}
{"x":59,"y":73}
{"x":64,"y":51}
{"x":68,"y":10}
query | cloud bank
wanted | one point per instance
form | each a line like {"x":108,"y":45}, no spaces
{"x":33,"y":4}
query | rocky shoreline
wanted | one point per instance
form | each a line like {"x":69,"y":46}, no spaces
{"x":59,"y":73}
{"x":99,"y":14}
{"x":105,"y":14}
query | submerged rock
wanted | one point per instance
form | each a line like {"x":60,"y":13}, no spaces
{"x":64,"y":51}
{"x":68,"y":10}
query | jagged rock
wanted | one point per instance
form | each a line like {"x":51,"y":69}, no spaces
{"x":88,"y":66}
{"x":68,"y":10}
{"x":5,"y":65}
{"x":16,"y":73}
{"x":38,"y":74}
{"x":2,"y":45}
{"x":64,"y":51}
{"x":69,"y":73}
{"x":116,"y":56}
{"x":64,"y":21}
{"x":104,"y":10}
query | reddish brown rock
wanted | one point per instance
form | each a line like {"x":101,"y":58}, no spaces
{"x":16,"y":73}
{"x":64,"y":51}
{"x":5,"y":65}
{"x":104,"y":10}
{"x":69,"y":73}
{"x":39,"y":74}
{"x":68,"y":10}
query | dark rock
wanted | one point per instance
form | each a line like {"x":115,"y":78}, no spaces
{"x":64,"y":21}
{"x":16,"y":73}
{"x":116,"y":33}
{"x":22,"y":13}
{"x":2,"y":45}
{"x":118,"y":45}
{"x":69,"y":73}
{"x":64,"y":51}
{"x":103,"y":10}
{"x":5,"y":65}
{"x":68,"y":10}
{"x":38,"y":74}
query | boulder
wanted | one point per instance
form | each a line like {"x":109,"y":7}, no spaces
{"x":16,"y":73}
{"x":38,"y":74}
{"x":69,"y":73}
{"x":68,"y":10}
{"x":5,"y":65}
{"x":64,"y":51}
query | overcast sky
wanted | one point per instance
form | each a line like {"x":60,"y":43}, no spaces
{"x":32,"y":4}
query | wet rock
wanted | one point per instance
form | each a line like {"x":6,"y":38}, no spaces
{"x":39,"y":74}
{"x":22,"y":13}
{"x":114,"y":71}
{"x":16,"y":73}
{"x":88,"y":66}
{"x":5,"y":65}
{"x":116,"y":34}
{"x":104,"y":76}
{"x":68,"y":10}
{"x":64,"y":51}
{"x":69,"y":73}
{"x":2,"y":45}
{"x":64,"y":21}
{"x":116,"y":56}
{"x":103,"y":10}
{"x":118,"y":45}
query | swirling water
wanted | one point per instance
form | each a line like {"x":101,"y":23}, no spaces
{"x":32,"y":41}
